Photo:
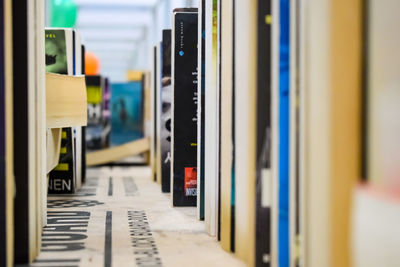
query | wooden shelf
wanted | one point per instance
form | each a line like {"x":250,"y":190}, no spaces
{"x":66,"y":104}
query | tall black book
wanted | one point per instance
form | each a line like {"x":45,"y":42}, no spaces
{"x":201,"y":90}
{"x":184,"y":108}
{"x":263,"y":149}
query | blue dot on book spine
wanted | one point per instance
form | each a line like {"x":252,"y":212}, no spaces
{"x":181,"y":53}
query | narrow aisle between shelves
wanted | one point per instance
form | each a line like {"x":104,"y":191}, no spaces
{"x":120,"y":218}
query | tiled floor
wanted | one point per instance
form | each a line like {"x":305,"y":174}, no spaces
{"x":121,"y":218}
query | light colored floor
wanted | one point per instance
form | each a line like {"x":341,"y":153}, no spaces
{"x":121,"y":218}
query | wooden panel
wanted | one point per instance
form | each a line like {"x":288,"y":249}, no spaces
{"x":65,"y":101}
{"x":119,"y":152}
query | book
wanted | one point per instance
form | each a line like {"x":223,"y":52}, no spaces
{"x":295,"y":158}
{"x":283,"y":134}
{"x":155,"y":149}
{"x":61,"y":57}
{"x":126,"y":113}
{"x":165,"y":119}
{"x":263,"y":131}
{"x":211,"y":120}
{"x":26,"y":63}
{"x":62,"y":177}
{"x":226,"y":129}
{"x":99,"y":120}
{"x":94,"y":88}
{"x":83,"y":127}
{"x":3,"y":141}
{"x":77,"y":130}
{"x":201,"y":86}
{"x":158,"y":75}
{"x":184,"y":108}
{"x":245,"y":99}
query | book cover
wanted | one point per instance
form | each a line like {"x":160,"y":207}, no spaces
{"x":94,"y":91}
{"x":184,"y":107}
{"x":56,"y":52}
{"x":127,"y":112}
{"x":99,"y":114}
{"x":61,"y":178}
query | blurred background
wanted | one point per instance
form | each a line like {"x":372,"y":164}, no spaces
{"x":121,"y":33}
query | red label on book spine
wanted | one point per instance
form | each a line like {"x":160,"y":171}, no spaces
{"x":191,"y":181}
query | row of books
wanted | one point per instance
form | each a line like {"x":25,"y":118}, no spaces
{"x":213,"y":114}
{"x":175,"y":109}
{"x":258,"y":102}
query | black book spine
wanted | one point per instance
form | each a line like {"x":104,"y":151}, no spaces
{"x":185,"y":110}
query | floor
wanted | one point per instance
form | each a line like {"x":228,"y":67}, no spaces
{"x":121,"y":218}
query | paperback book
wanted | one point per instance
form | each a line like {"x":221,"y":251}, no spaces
{"x":184,"y":108}
{"x":263,"y":131}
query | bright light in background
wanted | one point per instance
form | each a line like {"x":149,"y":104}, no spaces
{"x":122,"y":33}
{"x":126,"y":34}
{"x":135,"y":3}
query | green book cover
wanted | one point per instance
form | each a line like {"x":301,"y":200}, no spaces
{"x":56,"y":52}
